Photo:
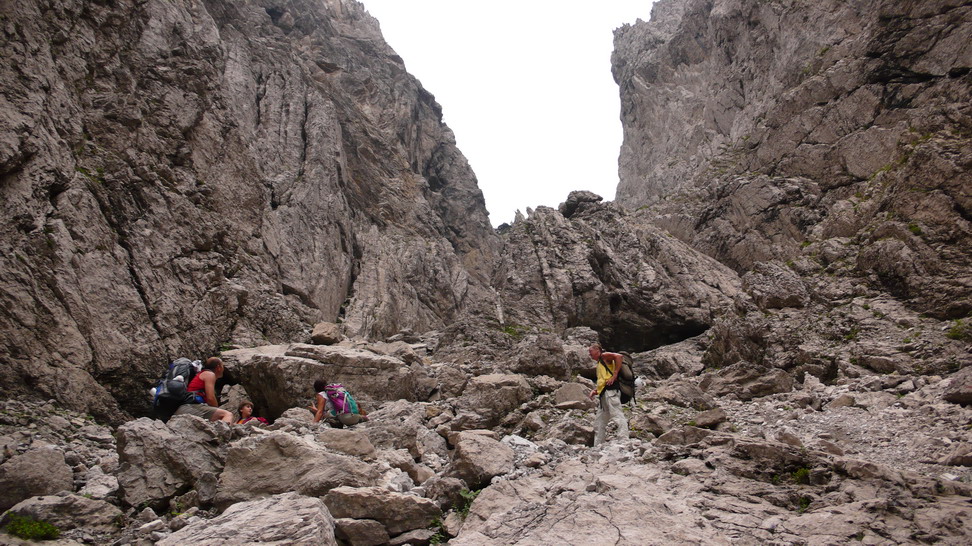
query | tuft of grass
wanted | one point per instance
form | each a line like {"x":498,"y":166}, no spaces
{"x":467,"y":499}
{"x":914,"y":228}
{"x":514,"y":330}
{"x":29,"y":528}
{"x":960,"y":331}
{"x":802,"y":476}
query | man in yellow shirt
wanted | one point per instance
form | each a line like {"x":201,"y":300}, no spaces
{"x":608,"y":390}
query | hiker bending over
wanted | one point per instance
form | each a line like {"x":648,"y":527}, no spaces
{"x":246,"y":414}
{"x":203,"y":385}
{"x":335,"y":401}
{"x":609,"y":402}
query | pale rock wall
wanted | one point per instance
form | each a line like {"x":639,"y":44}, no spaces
{"x":831,"y":133}
{"x":174,"y":176}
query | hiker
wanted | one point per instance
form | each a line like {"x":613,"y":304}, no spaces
{"x":608,"y":390}
{"x":246,"y":414}
{"x":203,"y":385}
{"x":349,"y":413}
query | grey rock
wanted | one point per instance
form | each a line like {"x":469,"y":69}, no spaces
{"x":479,"y":458}
{"x":959,"y":390}
{"x":71,"y":511}
{"x":288,"y":518}
{"x":40,"y":471}
{"x":277,"y":462}
{"x":159,"y":461}
{"x":360,"y":532}
{"x":573,"y":396}
{"x":326,"y":333}
{"x":397,"y":512}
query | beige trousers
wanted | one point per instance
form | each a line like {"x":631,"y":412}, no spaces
{"x":609,"y":409}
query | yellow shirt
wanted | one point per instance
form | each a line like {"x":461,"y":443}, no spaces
{"x":604,"y":372}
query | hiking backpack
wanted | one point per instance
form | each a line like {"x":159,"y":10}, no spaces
{"x":171,"y":392}
{"x":626,"y":378}
{"x":341,"y":399}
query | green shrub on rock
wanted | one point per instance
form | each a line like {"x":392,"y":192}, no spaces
{"x":29,"y":528}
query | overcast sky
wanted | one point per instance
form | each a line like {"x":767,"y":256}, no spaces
{"x":525,"y":85}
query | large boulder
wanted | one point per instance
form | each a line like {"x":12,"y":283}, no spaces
{"x":959,"y":390}
{"x":287,"y":518}
{"x":280,"y":377}
{"x":478,"y":458}
{"x":396,"y":511}
{"x":158,"y":461}
{"x":487,"y":399}
{"x":40,"y":471}
{"x":278,"y":462}
{"x":70,"y":511}
{"x":349,"y":442}
{"x":573,"y":396}
{"x":541,"y":354}
{"x":747,"y":381}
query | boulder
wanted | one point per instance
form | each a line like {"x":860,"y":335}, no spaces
{"x":571,"y":430}
{"x":747,"y":381}
{"x":160,"y":460}
{"x":288,"y":518}
{"x":711,"y":418}
{"x":843,"y":401}
{"x":396,"y":511}
{"x":280,"y":377}
{"x":488,"y":399}
{"x":445,"y":491}
{"x":684,"y":436}
{"x":478,"y":458}
{"x":959,"y":390}
{"x":682,"y":394}
{"x":326,"y":333}
{"x":573,"y":396}
{"x":301,"y":415}
{"x":40,"y":471}
{"x":349,"y":442}
{"x":361,"y":532}
{"x":961,"y":455}
{"x":416,"y":537}
{"x":654,"y":424}
{"x":99,"y":485}
{"x":70,"y":511}
{"x":542,"y":354}
{"x":278,"y":462}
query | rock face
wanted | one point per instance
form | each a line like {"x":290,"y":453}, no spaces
{"x":603,"y":268}
{"x":179,"y":176}
{"x":833,"y":135}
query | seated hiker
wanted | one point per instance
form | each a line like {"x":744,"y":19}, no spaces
{"x":335,"y":401}
{"x":203,"y":385}
{"x":246,"y":414}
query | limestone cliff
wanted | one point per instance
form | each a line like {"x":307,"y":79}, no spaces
{"x":179,"y":175}
{"x":835,"y":136}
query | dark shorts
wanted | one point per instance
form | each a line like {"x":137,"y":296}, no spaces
{"x":199,"y":410}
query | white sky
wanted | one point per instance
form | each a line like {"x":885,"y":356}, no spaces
{"x":525,"y":85}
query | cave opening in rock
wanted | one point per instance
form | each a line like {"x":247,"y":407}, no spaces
{"x":639,"y":337}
